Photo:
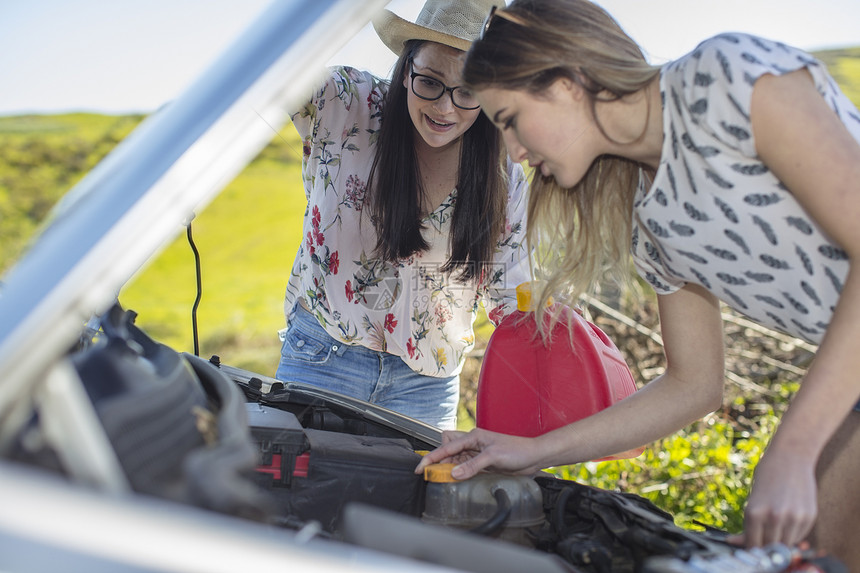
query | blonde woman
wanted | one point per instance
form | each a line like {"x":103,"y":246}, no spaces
{"x":731,"y":174}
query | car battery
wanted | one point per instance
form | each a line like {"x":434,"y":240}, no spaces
{"x":311,"y":475}
{"x":281,"y":442}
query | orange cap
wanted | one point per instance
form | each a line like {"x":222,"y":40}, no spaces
{"x":439,"y":473}
{"x":524,"y":298}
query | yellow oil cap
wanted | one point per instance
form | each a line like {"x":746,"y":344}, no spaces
{"x":439,"y":473}
{"x":524,"y":297}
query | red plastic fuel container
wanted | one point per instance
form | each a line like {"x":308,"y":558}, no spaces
{"x":526,"y":388}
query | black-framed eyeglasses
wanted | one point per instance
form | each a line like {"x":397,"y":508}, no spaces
{"x":494,"y":11}
{"x":431,"y":89}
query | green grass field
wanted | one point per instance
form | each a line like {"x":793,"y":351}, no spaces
{"x":247,"y":239}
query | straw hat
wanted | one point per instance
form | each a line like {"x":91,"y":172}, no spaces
{"x":455,"y":23}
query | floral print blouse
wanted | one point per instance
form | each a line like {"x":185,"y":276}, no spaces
{"x":408,"y":308}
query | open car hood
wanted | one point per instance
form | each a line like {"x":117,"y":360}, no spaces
{"x":136,"y":200}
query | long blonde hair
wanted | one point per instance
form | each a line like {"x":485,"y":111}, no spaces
{"x":582,"y":233}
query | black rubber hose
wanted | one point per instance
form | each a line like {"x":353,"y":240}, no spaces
{"x":559,"y":509}
{"x":503,"y":513}
{"x":199,"y":290}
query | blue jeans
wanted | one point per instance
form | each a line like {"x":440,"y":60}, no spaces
{"x":310,"y":355}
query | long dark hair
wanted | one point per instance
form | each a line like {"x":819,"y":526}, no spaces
{"x":395,"y":189}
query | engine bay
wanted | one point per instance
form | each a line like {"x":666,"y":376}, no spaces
{"x":326,"y":466}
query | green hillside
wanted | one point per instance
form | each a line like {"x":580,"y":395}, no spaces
{"x":42,"y":157}
{"x":247,"y":239}
{"x":844,"y":66}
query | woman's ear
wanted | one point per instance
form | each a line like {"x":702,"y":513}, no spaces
{"x":569,"y":88}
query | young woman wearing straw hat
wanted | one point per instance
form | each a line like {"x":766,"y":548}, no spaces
{"x":415,"y":217}
{"x":731,"y":174}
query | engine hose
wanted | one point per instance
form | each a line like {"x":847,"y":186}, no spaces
{"x":558,"y":511}
{"x":503,"y":513}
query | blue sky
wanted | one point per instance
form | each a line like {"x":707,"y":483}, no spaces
{"x":134,"y":55}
